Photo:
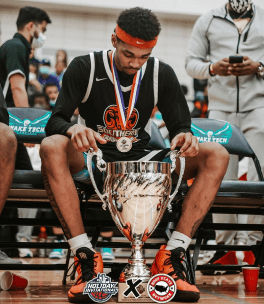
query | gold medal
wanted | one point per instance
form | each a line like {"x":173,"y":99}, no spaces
{"x":124,"y":144}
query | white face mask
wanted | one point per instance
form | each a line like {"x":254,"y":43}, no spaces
{"x":38,"y":42}
{"x":240,"y":6}
{"x":32,"y":76}
{"x":52,"y":102}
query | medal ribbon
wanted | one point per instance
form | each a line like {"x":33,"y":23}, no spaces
{"x":123,"y":118}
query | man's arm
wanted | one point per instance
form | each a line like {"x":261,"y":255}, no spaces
{"x":172,"y":103}
{"x":197,"y":51}
{"x":18,"y":88}
{"x":16,"y":62}
{"x":175,"y":112}
{"x":74,"y":86}
{"x":4,"y":117}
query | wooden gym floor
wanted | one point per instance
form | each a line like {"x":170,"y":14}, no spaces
{"x":45,"y":287}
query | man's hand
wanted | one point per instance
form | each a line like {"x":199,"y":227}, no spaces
{"x":221,"y":67}
{"x":187,"y":142}
{"x":84,"y":138}
{"x":247,"y":67}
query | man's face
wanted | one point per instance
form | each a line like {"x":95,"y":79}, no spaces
{"x":52,"y":92}
{"x":40,"y":27}
{"x":239,"y":6}
{"x":128,"y":58}
{"x":33,"y":69}
{"x":59,"y":67}
{"x":40,"y":103}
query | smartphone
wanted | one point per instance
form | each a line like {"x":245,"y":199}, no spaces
{"x":236,"y":59}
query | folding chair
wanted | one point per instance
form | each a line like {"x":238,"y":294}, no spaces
{"x":234,"y":196}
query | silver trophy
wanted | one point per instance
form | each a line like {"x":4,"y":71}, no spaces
{"x":137,"y":194}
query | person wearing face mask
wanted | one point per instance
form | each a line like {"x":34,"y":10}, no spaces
{"x":14,"y":72}
{"x":33,"y":84}
{"x":52,"y":91}
{"x":235,"y":94}
{"x":14,"y":54}
{"x":45,"y":75}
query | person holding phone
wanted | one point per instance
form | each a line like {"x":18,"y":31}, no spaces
{"x":227,"y":48}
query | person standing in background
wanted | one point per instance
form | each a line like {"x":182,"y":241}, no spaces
{"x":59,"y":71}
{"x":236,"y":95}
{"x":62,"y":55}
{"x":14,"y":71}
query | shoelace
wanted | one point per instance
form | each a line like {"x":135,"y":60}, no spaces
{"x":87,"y":272}
{"x":178,"y":268}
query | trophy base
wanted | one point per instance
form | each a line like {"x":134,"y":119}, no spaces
{"x":141,"y":289}
{"x":136,"y":270}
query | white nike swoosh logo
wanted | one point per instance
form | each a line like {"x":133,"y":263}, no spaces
{"x":139,"y":42}
{"x":97,"y":79}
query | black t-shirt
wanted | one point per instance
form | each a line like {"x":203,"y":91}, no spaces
{"x":4,"y":117}
{"x":14,"y":58}
{"x":99,"y":112}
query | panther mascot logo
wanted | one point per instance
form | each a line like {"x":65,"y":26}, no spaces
{"x":112,"y":130}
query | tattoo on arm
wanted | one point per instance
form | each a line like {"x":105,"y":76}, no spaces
{"x":56,"y":208}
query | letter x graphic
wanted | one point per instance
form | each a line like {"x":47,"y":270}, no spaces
{"x":132,"y":288}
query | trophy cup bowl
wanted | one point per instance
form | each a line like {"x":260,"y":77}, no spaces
{"x":137,"y":194}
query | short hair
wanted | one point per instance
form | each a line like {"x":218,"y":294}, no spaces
{"x":45,"y":62}
{"x":38,"y":94}
{"x":50,"y":84}
{"x":139,"y":23}
{"x":31,"y":14}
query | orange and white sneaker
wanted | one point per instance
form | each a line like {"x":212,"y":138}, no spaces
{"x":170,"y":262}
{"x":88,"y":264}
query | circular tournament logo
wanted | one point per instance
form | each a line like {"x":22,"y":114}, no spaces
{"x":100,"y":289}
{"x":161,"y":288}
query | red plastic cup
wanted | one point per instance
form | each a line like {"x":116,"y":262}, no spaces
{"x":11,"y":281}
{"x":251,"y":278}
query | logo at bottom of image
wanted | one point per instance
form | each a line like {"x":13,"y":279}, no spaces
{"x":161,"y":288}
{"x":101,"y":289}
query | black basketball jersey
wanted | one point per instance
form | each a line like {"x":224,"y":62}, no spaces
{"x":99,"y":110}
{"x":88,"y":84}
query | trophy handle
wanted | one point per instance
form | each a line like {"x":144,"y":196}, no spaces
{"x":101,"y":165}
{"x":173,"y":155}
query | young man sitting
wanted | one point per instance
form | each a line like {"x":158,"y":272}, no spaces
{"x":112,"y":104}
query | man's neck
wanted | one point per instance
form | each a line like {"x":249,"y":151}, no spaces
{"x":26,"y":35}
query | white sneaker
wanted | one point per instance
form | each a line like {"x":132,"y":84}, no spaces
{"x":25,"y":252}
{"x":58,"y":253}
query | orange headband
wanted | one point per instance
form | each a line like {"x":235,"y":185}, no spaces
{"x":140,"y":43}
